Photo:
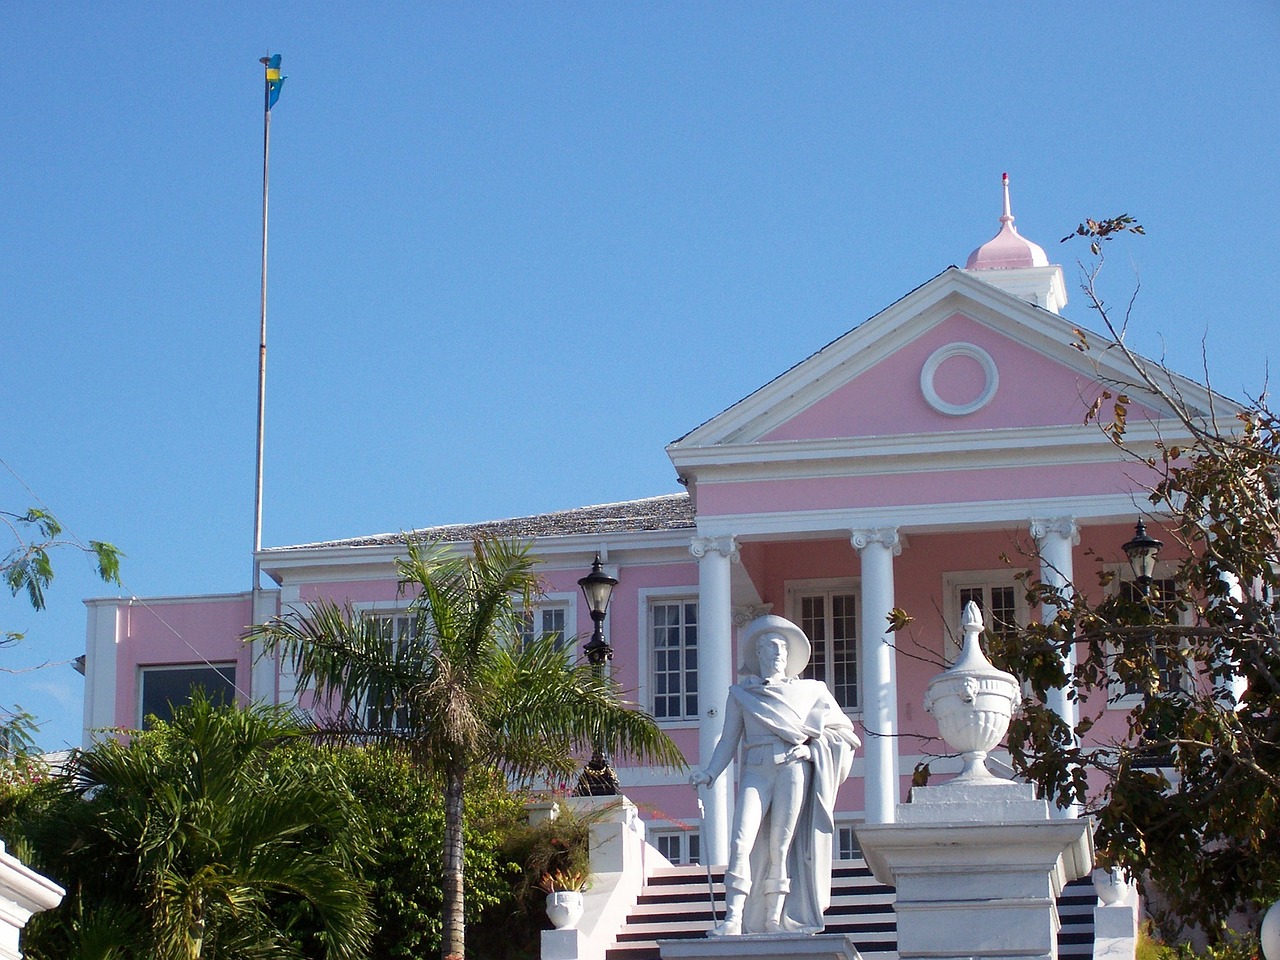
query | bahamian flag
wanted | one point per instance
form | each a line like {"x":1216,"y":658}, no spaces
{"x":274,"y":80}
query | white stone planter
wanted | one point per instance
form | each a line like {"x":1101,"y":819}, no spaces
{"x":973,"y":703}
{"x":564,"y":907}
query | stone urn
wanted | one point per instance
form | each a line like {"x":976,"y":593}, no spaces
{"x":973,"y":703}
{"x":1111,"y":884}
{"x":564,"y":908}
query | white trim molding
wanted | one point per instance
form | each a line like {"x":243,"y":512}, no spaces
{"x":921,"y":517}
{"x":990,"y":372}
{"x":645,"y":596}
{"x":23,"y":892}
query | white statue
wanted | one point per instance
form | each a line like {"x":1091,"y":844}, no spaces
{"x":798,"y":750}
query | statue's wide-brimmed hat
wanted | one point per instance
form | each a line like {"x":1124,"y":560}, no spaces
{"x":798,"y":649}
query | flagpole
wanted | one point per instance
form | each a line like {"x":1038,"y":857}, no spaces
{"x":267,"y":62}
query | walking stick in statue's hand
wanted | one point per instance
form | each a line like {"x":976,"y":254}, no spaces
{"x":711,"y":888}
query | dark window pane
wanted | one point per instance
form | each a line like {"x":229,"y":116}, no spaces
{"x":164,"y":689}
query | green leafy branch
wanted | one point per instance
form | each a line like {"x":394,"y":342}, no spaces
{"x":28,"y":567}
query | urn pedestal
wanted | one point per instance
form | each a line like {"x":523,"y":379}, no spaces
{"x":976,"y":862}
{"x":763,"y":946}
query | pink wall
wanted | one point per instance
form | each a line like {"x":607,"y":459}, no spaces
{"x":622,"y":629}
{"x":197,"y":630}
{"x":919,"y":589}
{"x":355,"y":591}
{"x":1033,"y":391}
{"x":186,"y":632}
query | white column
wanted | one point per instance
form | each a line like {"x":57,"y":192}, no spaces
{"x":1238,"y":684}
{"x":877,"y":548}
{"x":105,"y":626}
{"x":715,"y":674}
{"x":264,"y":669}
{"x":1055,"y":537}
{"x":287,"y":691}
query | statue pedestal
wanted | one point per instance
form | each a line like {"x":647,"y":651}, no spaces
{"x":978,"y":868}
{"x":762,"y":946}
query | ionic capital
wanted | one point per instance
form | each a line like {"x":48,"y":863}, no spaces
{"x":725,"y":546}
{"x":885,"y":536}
{"x":1064,"y":527}
{"x":745,"y":613}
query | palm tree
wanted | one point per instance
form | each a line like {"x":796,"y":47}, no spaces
{"x":463,"y":689}
{"x":203,"y":839}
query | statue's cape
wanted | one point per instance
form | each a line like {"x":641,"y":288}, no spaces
{"x":802,"y":711}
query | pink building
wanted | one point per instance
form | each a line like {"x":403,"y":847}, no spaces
{"x":898,"y":466}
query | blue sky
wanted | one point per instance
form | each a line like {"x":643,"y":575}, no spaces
{"x":516,"y":249}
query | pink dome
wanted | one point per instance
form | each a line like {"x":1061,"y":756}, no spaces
{"x":1007,"y":250}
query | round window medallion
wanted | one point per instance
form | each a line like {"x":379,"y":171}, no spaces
{"x":964,"y":385}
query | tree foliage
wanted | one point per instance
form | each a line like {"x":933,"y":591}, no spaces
{"x":1189,"y":799}
{"x":403,"y":805}
{"x":27,"y":568}
{"x":468,"y":694}
{"x":207,"y":837}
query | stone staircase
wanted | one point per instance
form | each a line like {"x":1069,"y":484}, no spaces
{"x":675,"y":905}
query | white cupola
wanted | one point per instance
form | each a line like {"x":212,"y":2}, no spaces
{"x":1010,"y":261}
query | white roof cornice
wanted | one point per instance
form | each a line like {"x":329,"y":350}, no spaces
{"x":927,"y":452}
{"x":350,"y":563}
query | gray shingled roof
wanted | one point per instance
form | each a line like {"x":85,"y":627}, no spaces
{"x":673,"y":511}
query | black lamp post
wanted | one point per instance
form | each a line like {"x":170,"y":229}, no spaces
{"x":1142,"y":552}
{"x":598,"y":779}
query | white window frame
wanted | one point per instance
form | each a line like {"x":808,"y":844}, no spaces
{"x":955,"y":581}
{"x":381,"y":609}
{"x":796,"y":589}
{"x":646,"y":597}
{"x":684,"y":838}
{"x":1117,"y":698}
{"x":566,"y":601}
{"x":844,"y":824}
{"x":144,"y":669}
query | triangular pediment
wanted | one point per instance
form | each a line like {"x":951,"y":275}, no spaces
{"x":955,"y":356}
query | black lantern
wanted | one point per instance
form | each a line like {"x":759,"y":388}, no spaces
{"x":598,"y":778}
{"x":597,"y":586}
{"x":1142,"y":552}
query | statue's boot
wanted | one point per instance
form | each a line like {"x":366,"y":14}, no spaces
{"x":775,"y":900}
{"x":735,"y":900}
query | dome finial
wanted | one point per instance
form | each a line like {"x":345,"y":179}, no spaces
{"x":1007,"y":249}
